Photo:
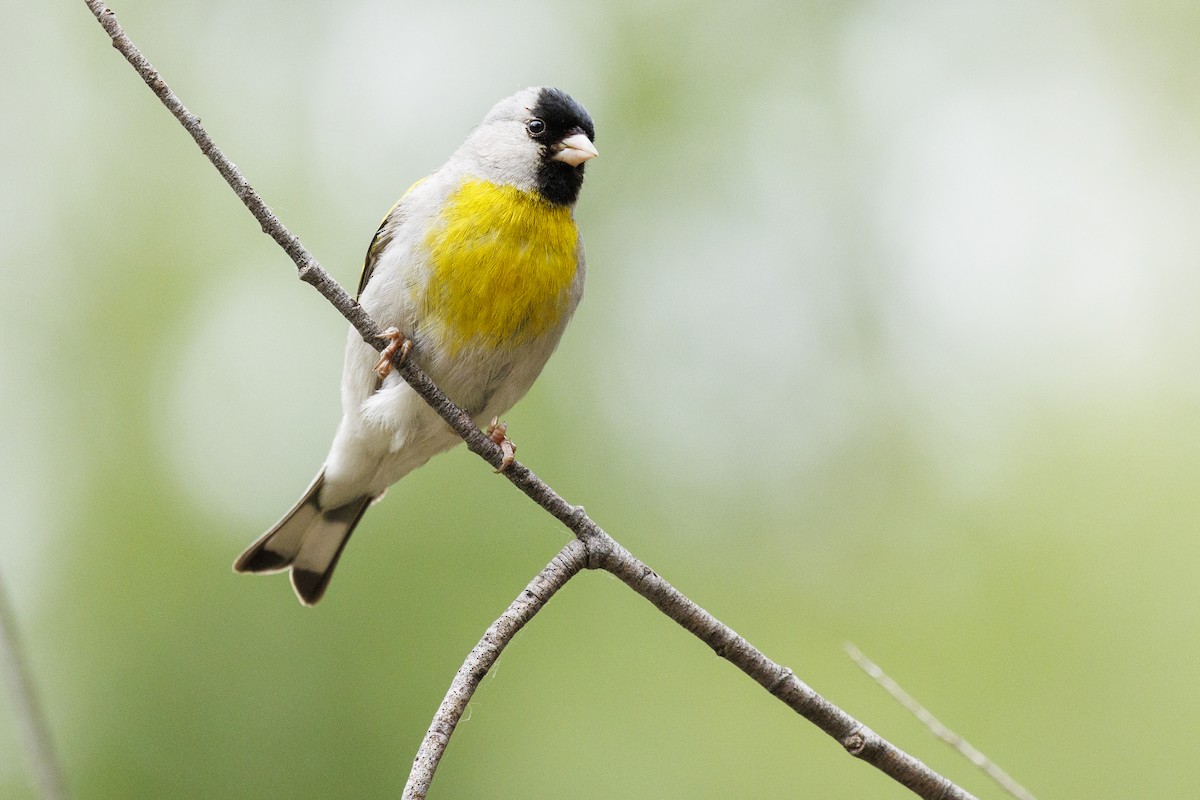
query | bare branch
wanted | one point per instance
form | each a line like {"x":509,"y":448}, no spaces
{"x":858,"y":740}
{"x":991,"y":768}
{"x":569,"y":561}
{"x":602,"y":551}
{"x":31,"y":719}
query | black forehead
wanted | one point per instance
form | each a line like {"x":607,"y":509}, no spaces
{"x":561,"y":113}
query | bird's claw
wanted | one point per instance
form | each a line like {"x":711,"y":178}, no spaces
{"x":497,"y":431}
{"x":397,"y":342}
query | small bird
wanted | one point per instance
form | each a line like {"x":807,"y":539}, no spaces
{"x":481,"y":266}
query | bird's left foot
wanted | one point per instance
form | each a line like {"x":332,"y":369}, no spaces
{"x":397,"y":343}
{"x":497,"y":431}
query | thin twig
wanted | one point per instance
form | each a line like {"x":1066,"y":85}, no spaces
{"x":858,"y":740}
{"x":602,"y":550}
{"x":31,"y":718}
{"x":991,"y":768}
{"x":569,"y":561}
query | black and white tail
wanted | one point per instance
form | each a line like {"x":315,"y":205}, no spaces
{"x":308,"y":540}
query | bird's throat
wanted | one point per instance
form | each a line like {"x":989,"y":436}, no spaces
{"x":503,"y":262}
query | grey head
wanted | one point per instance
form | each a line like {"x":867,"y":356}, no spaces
{"x":538,"y":139}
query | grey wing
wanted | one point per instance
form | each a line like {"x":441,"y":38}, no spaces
{"x":381,"y":239}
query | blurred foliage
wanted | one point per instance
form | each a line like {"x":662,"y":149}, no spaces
{"x":890,"y":337}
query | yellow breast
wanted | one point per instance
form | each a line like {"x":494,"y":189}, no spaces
{"x":502,"y":261}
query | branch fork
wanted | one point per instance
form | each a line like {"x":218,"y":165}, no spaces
{"x":592,"y":547}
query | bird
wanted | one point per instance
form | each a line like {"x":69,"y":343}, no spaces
{"x":474,"y":273}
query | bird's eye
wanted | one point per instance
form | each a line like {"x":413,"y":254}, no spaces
{"x":536,"y":127}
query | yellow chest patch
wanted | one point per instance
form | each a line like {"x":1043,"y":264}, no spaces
{"x":503,"y":261}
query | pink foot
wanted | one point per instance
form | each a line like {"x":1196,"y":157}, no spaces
{"x":497,"y":431}
{"x":383,"y":367}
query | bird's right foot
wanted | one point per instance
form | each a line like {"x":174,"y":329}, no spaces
{"x":497,"y":431}
{"x":398,"y":343}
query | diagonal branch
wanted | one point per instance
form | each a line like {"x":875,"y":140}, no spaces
{"x":602,"y":551}
{"x":965,"y":748}
{"x":859,"y":740}
{"x":566,"y":565}
{"x":31,"y":718}
{"x":309,"y":269}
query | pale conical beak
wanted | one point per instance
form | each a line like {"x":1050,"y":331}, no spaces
{"x":575,"y":150}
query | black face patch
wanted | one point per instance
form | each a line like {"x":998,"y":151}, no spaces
{"x":558,"y":181}
{"x":561,"y":114}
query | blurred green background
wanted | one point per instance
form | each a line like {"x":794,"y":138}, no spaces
{"x":890,"y":336}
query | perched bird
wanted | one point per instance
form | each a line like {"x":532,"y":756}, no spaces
{"x":481,"y":266}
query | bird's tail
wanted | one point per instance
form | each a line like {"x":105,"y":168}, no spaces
{"x":308,"y":540}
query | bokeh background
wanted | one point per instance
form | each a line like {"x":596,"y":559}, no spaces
{"x":891,"y":337}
